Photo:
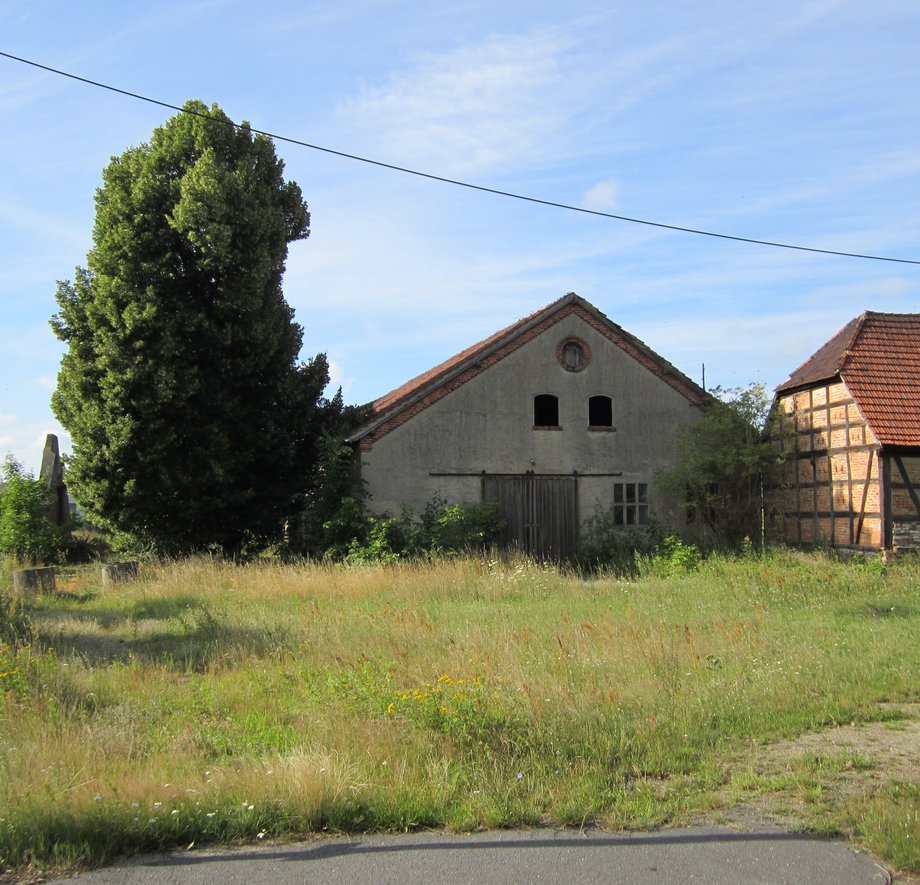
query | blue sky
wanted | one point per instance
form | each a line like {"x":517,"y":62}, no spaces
{"x":792,"y":121}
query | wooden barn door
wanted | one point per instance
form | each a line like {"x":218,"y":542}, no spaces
{"x":540,"y":512}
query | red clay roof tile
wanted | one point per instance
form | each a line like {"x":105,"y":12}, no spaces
{"x":389,"y":400}
{"x":878,"y":357}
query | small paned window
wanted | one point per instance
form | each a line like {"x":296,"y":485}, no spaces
{"x":600,"y":411}
{"x":573,"y":354}
{"x":545,"y":410}
{"x":630,"y":503}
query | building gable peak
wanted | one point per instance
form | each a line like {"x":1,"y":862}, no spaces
{"x":406,"y":401}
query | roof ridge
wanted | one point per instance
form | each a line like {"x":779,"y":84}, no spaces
{"x":825,"y":362}
{"x":850,"y":347}
{"x":443,"y":369}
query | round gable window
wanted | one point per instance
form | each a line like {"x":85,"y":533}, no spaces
{"x":573,"y":354}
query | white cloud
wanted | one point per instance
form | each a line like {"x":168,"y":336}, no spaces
{"x":26,"y":441}
{"x":5,"y":420}
{"x":468,"y":109}
{"x":603,"y":196}
{"x":337,"y":377}
{"x":46,"y":382}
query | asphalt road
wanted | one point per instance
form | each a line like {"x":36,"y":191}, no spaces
{"x":699,"y":854}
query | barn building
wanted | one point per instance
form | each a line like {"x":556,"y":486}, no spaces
{"x":558,"y":414}
{"x":851,"y":476}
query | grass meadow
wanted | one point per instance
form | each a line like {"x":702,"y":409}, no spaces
{"x":209,"y":702}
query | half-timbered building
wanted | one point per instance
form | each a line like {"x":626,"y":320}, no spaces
{"x":559,"y":414}
{"x":851,"y":415}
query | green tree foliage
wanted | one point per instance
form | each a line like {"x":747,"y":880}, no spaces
{"x":721,"y":460}
{"x":26,"y":531}
{"x":331,"y":512}
{"x":193,"y":424}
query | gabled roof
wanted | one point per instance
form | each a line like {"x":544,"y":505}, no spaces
{"x":397,"y":406}
{"x":825,"y":363}
{"x":877,"y":355}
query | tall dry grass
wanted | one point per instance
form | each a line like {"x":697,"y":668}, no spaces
{"x":209,"y":701}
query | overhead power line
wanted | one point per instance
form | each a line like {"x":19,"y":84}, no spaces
{"x":457,"y":183}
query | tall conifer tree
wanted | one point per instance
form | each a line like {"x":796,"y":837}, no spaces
{"x":181,"y":387}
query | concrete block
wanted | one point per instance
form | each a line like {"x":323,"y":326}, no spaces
{"x":33,"y":581}
{"x":118,"y":572}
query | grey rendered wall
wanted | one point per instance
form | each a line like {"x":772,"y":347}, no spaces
{"x":487,"y":425}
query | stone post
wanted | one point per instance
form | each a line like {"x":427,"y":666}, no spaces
{"x":29,"y":581}
{"x":117,"y":572}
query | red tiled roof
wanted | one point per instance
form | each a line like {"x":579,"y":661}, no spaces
{"x":437,"y":382}
{"x":391,"y":399}
{"x":825,"y":363}
{"x":878,"y":357}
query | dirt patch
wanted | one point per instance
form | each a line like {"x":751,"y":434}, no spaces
{"x":882,"y":752}
{"x":800,"y":783}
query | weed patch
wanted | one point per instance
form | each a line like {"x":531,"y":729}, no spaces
{"x":889,"y":824}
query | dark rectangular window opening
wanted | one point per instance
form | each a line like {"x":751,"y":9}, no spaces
{"x":545,"y":410}
{"x":600,"y":411}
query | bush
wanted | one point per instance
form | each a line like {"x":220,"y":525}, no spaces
{"x":26,"y":531}
{"x":452,"y":528}
{"x":675,"y":557}
{"x":630,"y":551}
{"x":442,"y":529}
{"x":332,"y":512}
{"x":386,"y":539}
{"x":349,"y":524}
{"x":618,"y":548}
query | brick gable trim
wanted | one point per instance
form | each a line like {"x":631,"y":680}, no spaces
{"x":403,"y":404}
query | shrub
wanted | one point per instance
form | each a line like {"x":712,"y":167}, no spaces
{"x":441,"y":529}
{"x":386,"y":540}
{"x":453,"y":528}
{"x":348,"y":523}
{"x":26,"y":531}
{"x":674,"y":557}
{"x":84,"y":544}
{"x":604,"y":544}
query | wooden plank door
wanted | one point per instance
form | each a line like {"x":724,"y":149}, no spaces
{"x":540,"y":513}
